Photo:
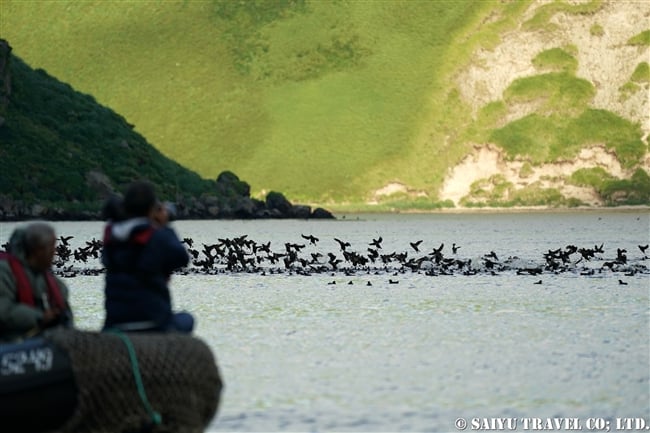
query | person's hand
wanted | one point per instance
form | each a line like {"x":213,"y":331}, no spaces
{"x":50,"y":317}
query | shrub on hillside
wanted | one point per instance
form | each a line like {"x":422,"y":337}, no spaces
{"x":642,"y":39}
{"x":556,"y":59}
{"x":560,"y":91}
{"x":641,"y":73}
{"x":633,"y":191}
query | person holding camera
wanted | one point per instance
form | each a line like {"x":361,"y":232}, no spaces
{"x":140,"y":253}
{"x":31,"y":297}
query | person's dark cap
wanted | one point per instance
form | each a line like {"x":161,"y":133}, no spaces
{"x":139,"y":199}
{"x":113,"y":209}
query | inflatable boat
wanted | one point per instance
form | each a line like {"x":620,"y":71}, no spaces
{"x":76,"y":381}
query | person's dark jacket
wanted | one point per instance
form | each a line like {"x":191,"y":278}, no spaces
{"x":139,"y":259}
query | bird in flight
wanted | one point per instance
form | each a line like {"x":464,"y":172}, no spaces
{"x":415,"y":245}
{"x":312,"y":239}
{"x":64,"y":240}
{"x":342,"y":244}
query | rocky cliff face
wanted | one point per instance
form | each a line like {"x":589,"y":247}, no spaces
{"x":604,"y":57}
{"x":487,"y":161}
{"x":599,"y":42}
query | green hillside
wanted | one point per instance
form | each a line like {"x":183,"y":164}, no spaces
{"x":62,"y":154}
{"x":52,"y":138}
{"x":326,"y":101}
{"x":228,"y":85}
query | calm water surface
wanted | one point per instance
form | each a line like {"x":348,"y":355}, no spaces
{"x":299,"y":354}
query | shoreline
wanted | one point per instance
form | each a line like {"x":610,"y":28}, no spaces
{"x":345,"y":214}
{"x":491,"y":210}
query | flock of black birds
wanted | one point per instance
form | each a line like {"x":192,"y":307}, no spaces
{"x":243,"y":255}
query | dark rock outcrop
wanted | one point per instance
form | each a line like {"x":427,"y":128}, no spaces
{"x":228,"y":184}
{"x":320,"y":213}
{"x":301,"y":211}
{"x":277,"y":201}
{"x":208,"y":207}
{"x":230,"y":205}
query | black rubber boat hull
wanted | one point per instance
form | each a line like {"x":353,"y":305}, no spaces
{"x":37,"y":388}
{"x":72,"y":381}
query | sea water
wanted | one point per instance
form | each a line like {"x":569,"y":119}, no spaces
{"x":299,"y":353}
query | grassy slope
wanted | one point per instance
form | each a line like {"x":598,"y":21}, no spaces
{"x":52,"y":138}
{"x":364,"y":95}
{"x":331,"y":130}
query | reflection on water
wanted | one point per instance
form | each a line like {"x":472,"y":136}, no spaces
{"x":299,"y":354}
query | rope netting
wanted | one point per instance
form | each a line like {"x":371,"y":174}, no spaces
{"x":178,"y":372}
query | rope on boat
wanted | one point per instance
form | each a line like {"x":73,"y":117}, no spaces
{"x":156,"y":418}
{"x":179,"y":373}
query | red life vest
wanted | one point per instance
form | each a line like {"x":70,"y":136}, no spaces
{"x":24,"y":290}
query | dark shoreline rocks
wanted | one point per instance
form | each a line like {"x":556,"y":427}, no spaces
{"x":205,"y":207}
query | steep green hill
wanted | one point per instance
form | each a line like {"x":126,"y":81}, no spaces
{"x":328,"y":101}
{"x":59,"y":146}
{"x":62,"y":154}
{"x":54,"y":138}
